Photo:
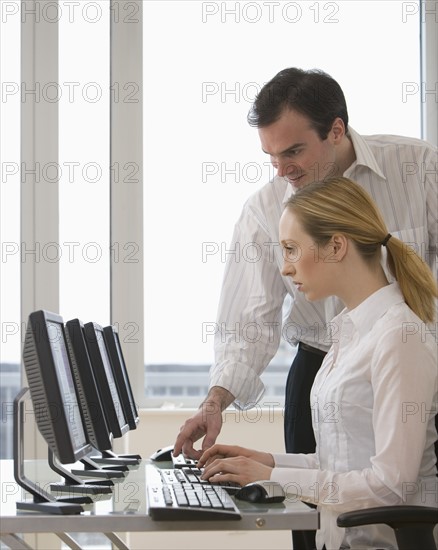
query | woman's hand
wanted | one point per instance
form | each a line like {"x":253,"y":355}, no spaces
{"x":229,"y":451}
{"x":236,"y":464}
{"x":238,"y":469}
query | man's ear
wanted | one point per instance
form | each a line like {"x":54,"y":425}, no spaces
{"x":338,"y":129}
{"x":340,"y":246}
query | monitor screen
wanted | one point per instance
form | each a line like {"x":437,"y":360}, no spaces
{"x":95,"y":424}
{"x":103,"y":372}
{"x":52,"y":389}
{"x":115,"y":352}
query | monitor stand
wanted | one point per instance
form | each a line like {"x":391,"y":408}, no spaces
{"x":109,"y":457}
{"x":74,"y":484}
{"x":93,"y":469}
{"x":42,"y":500}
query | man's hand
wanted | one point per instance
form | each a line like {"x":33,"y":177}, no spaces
{"x":206,"y":422}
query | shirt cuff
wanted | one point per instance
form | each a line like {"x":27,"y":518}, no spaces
{"x":298,"y":484}
{"x":292,"y":460}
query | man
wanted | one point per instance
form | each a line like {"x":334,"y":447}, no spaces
{"x":302,"y":121}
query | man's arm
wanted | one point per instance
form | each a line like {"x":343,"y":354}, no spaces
{"x":248,"y":322}
{"x":431,"y":188}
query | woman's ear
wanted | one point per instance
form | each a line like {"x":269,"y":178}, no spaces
{"x":340,"y":246}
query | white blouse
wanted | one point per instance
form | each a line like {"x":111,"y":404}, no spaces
{"x":373,"y":401}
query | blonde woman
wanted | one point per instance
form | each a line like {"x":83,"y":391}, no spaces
{"x":375,"y":397}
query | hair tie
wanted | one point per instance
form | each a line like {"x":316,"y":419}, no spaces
{"x":386,"y":239}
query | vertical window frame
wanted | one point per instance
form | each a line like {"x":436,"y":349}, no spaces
{"x":39,"y":280}
{"x":126,"y":186}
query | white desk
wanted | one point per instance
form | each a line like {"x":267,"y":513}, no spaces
{"x":125,"y":511}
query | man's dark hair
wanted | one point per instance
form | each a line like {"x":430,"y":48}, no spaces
{"x":313,"y":93}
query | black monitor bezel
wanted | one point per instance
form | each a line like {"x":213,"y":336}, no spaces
{"x":46,"y":391}
{"x":121,"y":375}
{"x":94,"y":418}
{"x":92,"y":333}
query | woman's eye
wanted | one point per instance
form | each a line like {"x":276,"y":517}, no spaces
{"x":292,"y":253}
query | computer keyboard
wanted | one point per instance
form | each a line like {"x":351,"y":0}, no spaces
{"x":182,"y":461}
{"x":169,"y":499}
{"x":186,"y":470}
{"x":193,"y":475}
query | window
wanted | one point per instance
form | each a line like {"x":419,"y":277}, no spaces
{"x":11,"y":248}
{"x":84,"y":171}
{"x":203,"y":64}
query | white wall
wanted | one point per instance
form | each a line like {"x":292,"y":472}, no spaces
{"x":257,"y":427}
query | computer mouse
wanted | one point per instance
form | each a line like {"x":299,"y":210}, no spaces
{"x":265,"y":491}
{"x":163,"y":455}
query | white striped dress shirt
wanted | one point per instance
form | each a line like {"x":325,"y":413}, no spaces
{"x":400,"y":173}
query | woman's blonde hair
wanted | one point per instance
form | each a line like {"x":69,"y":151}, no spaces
{"x":339,"y":205}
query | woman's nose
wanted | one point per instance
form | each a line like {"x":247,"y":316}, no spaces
{"x":288,"y":268}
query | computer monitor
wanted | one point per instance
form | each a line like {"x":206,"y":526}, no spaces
{"x":96,"y":426}
{"x":106,"y":383}
{"x":49,"y":376}
{"x":114,"y":349}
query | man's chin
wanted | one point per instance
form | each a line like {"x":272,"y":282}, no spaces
{"x":298,"y":183}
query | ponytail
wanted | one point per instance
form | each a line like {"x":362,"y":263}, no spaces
{"x":414,"y":277}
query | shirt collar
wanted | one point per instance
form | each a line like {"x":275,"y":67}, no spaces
{"x":364,"y":155}
{"x":288,"y":193}
{"x":367,"y":313}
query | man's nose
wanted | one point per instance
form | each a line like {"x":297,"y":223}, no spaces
{"x":281,"y":168}
{"x":287,"y":168}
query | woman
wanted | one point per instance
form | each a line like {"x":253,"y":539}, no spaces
{"x":374,"y":398}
